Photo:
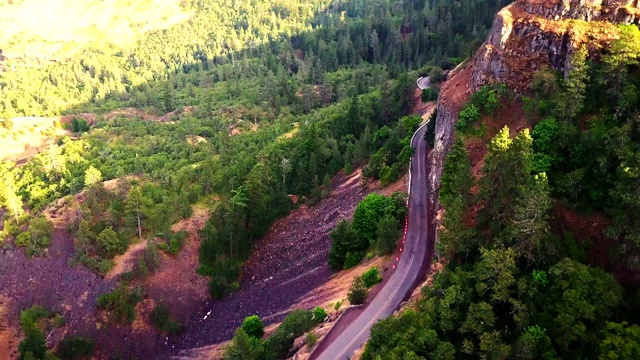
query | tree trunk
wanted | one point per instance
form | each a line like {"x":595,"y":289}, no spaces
{"x":139,"y":226}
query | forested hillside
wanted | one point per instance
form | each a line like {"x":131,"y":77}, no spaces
{"x":540,"y":223}
{"x":233,"y":110}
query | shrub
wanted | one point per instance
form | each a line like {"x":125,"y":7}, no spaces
{"x":357,"y":292}
{"x":338,"y":305}
{"x":253,"y":326}
{"x":352,"y":259}
{"x":175,"y":243}
{"x":38,"y":236}
{"x":319,"y":315}
{"x":311,"y":340}
{"x":468,"y":116}
{"x":120,"y":303}
{"x":34,"y":341}
{"x":429,"y":94}
{"x":161,"y":320}
{"x":387,"y":234}
{"x":343,"y":240}
{"x":76,"y":347}
{"x":109,"y":243}
{"x":389,"y":174}
{"x":292,"y":327}
{"x":244,"y":346}
{"x":104,"y":266}
{"x":371,"y":277}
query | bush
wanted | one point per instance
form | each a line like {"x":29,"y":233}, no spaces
{"x":357,"y":292}
{"x":76,"y":347}
{"x":34,"y":341}
{"x":430,"y":94}
{"x":175,"y":243}
{"x":311,"y":340}
{"x":371,"y":277}
{"x":352,"y":259}
{"x":388,"y":234}
{"x":343,"y":239}
{"x":38,"y":236}
{"x":253,"y":326}
{"x":468,"y":116}
{"x":292,"y":327}
{"x":161,"y":320}
{"x":350,"y":241}
{"x":120,"y":303}
{"x":244,"y":346}
{"x":319,"y":315}
{"x":388,"y":175}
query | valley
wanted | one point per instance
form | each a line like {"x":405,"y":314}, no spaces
{"x":225,"y":179}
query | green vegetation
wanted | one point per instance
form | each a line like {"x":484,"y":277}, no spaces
{"x":76,"y":347}
{"x":37,"y":237}
{"x":357,"y":292}
{"x":35,"y":322}
{"x":319,"y":315}
{"x":371,"y":277}
{"x":350,"y":241}
{"x":33,"y":345}
{"x":245,"y":346}
{"x":274,"y":100}
{"x":391,"y":150}
{"x":522,"y":281}
{"x":264,"y":100}
{"x":161,"y":320}
{"x":253,"y":326}
{"x":120,"y":303}
{"x":311,"y":341}
{"x":429,"y":94}
{"x":485,"y":101}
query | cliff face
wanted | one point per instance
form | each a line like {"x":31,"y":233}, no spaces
{"x":532,"y":33}
{"x":525,"y":36}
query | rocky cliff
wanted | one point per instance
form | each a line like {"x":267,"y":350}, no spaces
{"x":525,"y":36}
{"x":530,"y":34}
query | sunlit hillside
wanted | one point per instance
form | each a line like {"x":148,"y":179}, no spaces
{"x":34,"y":32}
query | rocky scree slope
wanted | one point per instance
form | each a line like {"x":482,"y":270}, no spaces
{"x":526,"y":36}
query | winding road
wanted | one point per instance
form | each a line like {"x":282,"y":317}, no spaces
{"x":407,"y":271}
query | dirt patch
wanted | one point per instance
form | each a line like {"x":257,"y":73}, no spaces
{"x":124,"y":262}
{"x":176,"y":284}
{"x":509,"y":114}
{"x":8,"y":339}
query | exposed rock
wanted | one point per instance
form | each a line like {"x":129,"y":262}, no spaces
{"x":453,"y":94}
{"x":525,"y":36}
{"x":530,"y":34}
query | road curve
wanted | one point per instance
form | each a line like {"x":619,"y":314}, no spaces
{"x":424,"y":83}
{"x":407,"y":271}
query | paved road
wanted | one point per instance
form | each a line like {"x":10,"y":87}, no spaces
{"x":403,"y":280}
{"x":424,"y":82}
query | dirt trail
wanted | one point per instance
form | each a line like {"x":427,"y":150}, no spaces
{"x":122,"y":263}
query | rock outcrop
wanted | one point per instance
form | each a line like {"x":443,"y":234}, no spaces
{"x":525,"y":36}
{"x":530,"y":34}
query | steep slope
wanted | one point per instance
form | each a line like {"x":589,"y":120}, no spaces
{"x":526,"y":36}
{"x":536,"y":205}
